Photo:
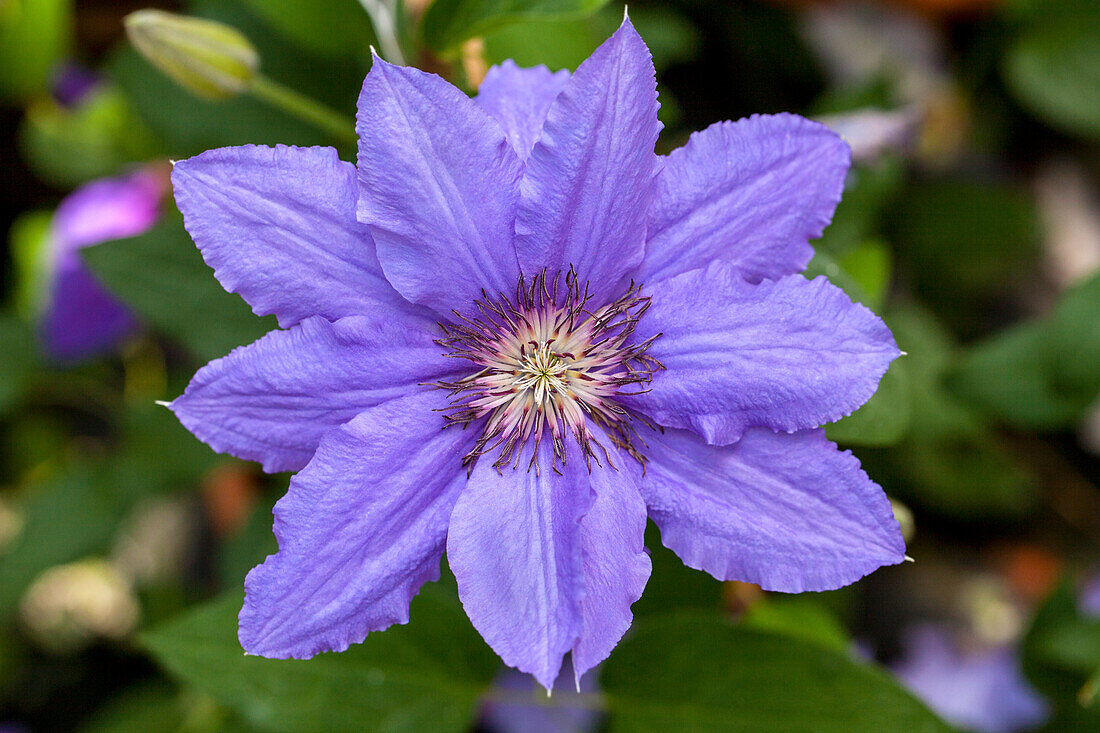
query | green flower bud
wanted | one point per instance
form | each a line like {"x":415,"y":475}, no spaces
{"x":210,"y":59}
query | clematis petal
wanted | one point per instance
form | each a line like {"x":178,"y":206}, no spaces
{"x":591,"y":173}
{"x":787,"y":354}
{"x":272,"y":401}
{"x":82,"y":318}
{"x":278,"y":226}
{"x":547,"y":561}
{"x":615,"y":563}
{"x":518,"y":99}
{"x":514,"y":548}
{"x":439,"y":183}
{"x":751,"y":193}
{"x":360,"y":530}
{"x":787,"y":511}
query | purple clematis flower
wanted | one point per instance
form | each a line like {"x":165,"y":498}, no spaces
{"x":514,"y":332}
{"x":80,"y":318}
{"x":982,"y":691}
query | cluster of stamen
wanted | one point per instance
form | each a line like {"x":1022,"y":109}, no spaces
{"x":547,"y":366}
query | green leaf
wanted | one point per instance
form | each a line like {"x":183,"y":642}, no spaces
{"x":963,"y":242}
{"x":673,"y":585}
{"x":162,"y":277}
{"x":950,"y":460}
{"x":18,"y":365}
{"x":248,"y":546}
{"x":1054,"y":68}
{"x":1008,"y":376}
{"x":884,"y":419}
{"x":561,"y":44}
{"x":426,"y":675}
{"x":333,"y":27}
{"x":863,"y":272}
{"x":1043,"y":374}
{"x":29,"y":239}
{"x":1073,"y":340}
{"x":697,"y":672}
{"x":869,"y":191}
{"x":1061,"y":649}
{"x":448,"y":23}
{"x":800,"y":617}
{"x":34,"y":36}
{"x":67,"y":147}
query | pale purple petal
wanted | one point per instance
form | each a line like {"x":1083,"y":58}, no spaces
{"x":272,"y":401}
{"x":983,"y":691}
{"x":616,"y":565}
{"x":517,"y":707}
{"x":1089,"y":601}
{"x":787,"y":354}
{"x":111,"y":208}
{"x":278,"y":226}
{"x":518,"y":99}
{"x":751,"y":193}
{"x":82,"y":319}
{"x":515,"y":550}
{"x":362,"y":527}
{"x":787,"y":511}
{"x":589,"y":179}
{"x":439,"y":183}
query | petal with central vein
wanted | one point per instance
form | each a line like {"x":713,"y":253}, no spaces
{"x":787,"y":354}
{"x":789,"y":512}
{"x":361,"y":528}
{"x":272,"y":401}
{"x":278,"y":227}
{"x":438,"y":187}
{"x":515,"y":549}
{"x":589,"y":180}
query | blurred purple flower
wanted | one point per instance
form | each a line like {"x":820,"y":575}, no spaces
{"x":1089,"y":600}
{"x":983,"y":691}
{"x":518,"y":705}
{"x":81,"y":319}
{"x":490,"y":248}
{"x":72,"y":83}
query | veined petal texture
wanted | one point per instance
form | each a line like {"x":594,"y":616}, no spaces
{"x":787,"y":354}
{"x":439,"y":183}
{"x":751,"y":193}
{"x":271,"y":401}
{"x":589,"y":178}
{"x":360,"y":530}
{"x":518,"y":99}
{"x":278,"y":226}
{"x":787,"y":511}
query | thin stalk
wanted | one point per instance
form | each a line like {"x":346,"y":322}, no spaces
{"x":304,"y":108}
{"x":383,"y":16}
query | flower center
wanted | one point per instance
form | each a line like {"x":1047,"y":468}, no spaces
{"x":547,"y":365}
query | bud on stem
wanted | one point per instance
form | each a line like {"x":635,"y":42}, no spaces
{"x":210,"y":59}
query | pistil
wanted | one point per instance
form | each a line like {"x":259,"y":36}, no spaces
{"x":548,"y":365}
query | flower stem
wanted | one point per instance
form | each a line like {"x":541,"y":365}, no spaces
{"x":308,"y":110}
{"x":383,"y":17}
